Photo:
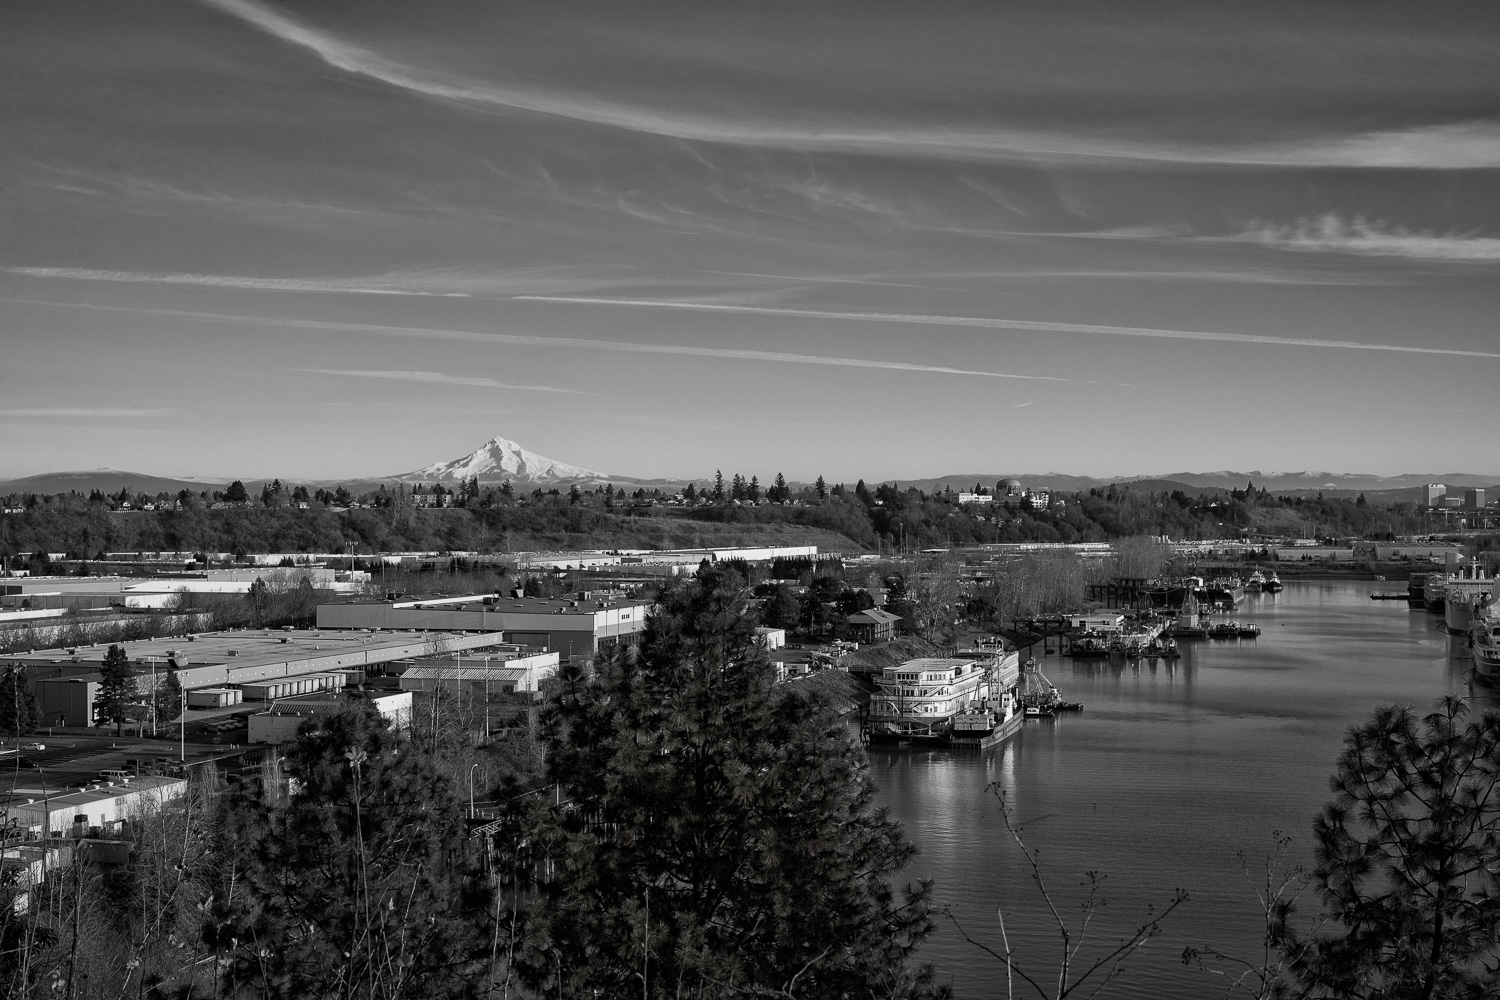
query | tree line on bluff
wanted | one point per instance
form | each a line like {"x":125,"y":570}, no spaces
{"x":84,"y":528}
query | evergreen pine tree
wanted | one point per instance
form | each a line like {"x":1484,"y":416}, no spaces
{"x":718,"y":494}
{"x":716,"y":834}
{"x":116,"y":687}
{"x":1406,"y":863}
{"x":19,"y":714}
{"x":168,"y":695}
{"x":362,"y":884}
{"x":821,"y":488}
{"x":781,"y":608}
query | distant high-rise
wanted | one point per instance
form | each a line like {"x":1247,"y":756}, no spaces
{"x":1435,"y":494}
{"x":1474,"y":498}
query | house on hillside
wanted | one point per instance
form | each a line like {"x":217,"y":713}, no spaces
{"x":873,"y":625}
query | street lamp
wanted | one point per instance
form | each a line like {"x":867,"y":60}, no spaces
{"x":471,"y":789}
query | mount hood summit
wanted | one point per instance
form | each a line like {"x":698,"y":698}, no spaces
{"x":499,"y":459}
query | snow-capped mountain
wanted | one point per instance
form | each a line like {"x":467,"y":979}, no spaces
{"x":500,"y":459}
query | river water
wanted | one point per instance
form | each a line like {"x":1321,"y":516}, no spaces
{"x":1169,"y":773}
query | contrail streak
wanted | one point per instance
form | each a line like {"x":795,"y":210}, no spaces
{"x":576,"y":343}
{"x":420,"y":376}
{"x":220,"y":281}
{"x":994,"y":323}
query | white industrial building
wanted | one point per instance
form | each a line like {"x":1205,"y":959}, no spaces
{"x":577,"y":629}
{"x":498,"y":674}
{"x":98,"y":808}
{"x":66,"y":680}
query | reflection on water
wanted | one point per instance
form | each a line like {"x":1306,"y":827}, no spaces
{"x":1171,"y":771}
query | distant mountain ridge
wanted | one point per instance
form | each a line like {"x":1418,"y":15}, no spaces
{"x":500,"y":459}
{"x":1275,"y":482}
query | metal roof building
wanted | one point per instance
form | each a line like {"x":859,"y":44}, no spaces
{"x":572,"y":628}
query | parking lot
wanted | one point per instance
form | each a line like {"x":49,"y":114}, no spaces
{"x":70,"y":761}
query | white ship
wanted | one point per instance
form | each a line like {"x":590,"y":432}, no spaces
{"x":1484,"y":636}
{"x":936,"y":701}
{"x":1466,"y":596}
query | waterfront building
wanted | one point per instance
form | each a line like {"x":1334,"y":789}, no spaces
{"x":873,"y":625}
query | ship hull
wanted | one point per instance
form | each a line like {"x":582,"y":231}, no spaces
{"x":1458,"y":616}
{"x":973,"y":740}
{"x":1487,"y":661}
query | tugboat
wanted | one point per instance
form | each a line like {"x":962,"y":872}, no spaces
{"x":1272,"y":585}
{"x":1040,"y":697}
{"x":1255,"y":583}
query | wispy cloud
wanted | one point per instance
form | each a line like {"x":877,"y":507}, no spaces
{"x":993,"y":323}
{"x":103,"y":412}
{"x":567,"y":343}
{"x":1456,"y":146}
{"x":420,"y":376}
{"x":349,"y":286}
{"x":1332,"y":233}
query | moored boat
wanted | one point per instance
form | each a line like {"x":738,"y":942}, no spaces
{"x":1434,"y":594}
{"x":1273,"y":584}
{"x":1484,"y":637}
{"x":946,"y":702}
{"x":1466,"y":597}
{"x":1415,"y":585}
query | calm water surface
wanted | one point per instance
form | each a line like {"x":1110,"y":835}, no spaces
{"x":1166,"y":776}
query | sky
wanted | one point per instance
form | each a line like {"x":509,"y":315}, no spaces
{"x":863,"y":240}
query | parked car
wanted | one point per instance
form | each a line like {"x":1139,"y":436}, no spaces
{"x":34,"y":746}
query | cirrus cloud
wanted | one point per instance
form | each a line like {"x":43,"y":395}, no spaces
{"x":1331,"y":233}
